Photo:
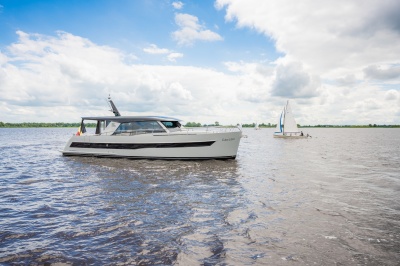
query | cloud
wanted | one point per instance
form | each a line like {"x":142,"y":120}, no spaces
{"x":347,"y":80}
{"x":382,"y":73}
{"x":177,"y":5}
{"x":63,"y":77}
{"x":330,"y":38}
{"x":332,"y":54}
{"x":153,"y":49}
{"x":392,"y":95}
{"x":191,"y":31}
{"x":173,"y":56}
{"x":177,"y":91}
{"x":292,"y":81}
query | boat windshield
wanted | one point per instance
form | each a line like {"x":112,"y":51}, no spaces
{"x":172,"y":125}
{"x":138,"y":127}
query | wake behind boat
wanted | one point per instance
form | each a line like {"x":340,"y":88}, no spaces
{"x":287,"y":127}
{"x":151,"y":137}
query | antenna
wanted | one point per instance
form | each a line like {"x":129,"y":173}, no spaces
{"x":113,"y":107}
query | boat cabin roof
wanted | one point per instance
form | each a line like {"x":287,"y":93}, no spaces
{"x":122,"y":119}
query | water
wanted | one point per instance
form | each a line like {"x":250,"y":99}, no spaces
{"x":329,"y":200}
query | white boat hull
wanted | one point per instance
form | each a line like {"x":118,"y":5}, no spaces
{"x":182,"y":145}
{"x":290,"y":137}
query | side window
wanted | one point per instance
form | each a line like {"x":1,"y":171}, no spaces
{"x":139,"y":127}
{"x":168,"y":124}
{"x":171,"y":124}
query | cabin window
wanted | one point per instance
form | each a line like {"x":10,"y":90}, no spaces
{"x":171,"y":124}
{"x":138,"y":127}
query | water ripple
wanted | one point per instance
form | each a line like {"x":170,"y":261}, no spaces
{"x":332,"y":199}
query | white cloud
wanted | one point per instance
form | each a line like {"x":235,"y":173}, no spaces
{"x":392,"y":95}
{"x":292,"y":81}
{"x":382,"y":73}
{"x":334,"y":53}
{"x":153,"y":49}
{"x":191,"y":31}
{"x":173,"y":56}
{"x":61,"y":78}
{"x":328,"y":37}
{"x":178,"y":92}
{"x":177,"y":5}
{"x":64,"y":77}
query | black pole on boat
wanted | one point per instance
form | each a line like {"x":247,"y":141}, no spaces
{"x":113,"y":107}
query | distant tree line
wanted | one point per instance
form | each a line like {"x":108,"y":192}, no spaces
{"x":188,"y":124}
{"x":259,"y":125}
{"x":193,"y":124}
{"x":356,"y":126}
{"x":35,"y":124}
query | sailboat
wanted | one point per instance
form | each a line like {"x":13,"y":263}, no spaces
{"x":287,"y":127}
{"x":256,"y":127}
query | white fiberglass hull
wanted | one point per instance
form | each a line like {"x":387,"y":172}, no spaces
{"x":191,"y":145}
{"x":290,"y":137}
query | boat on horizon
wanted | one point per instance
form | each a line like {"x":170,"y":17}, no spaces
{"x":286,"y":126}
{"x":151,"y":137}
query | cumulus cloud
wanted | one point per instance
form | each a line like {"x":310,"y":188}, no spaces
{"x":382,"y":73}
{"x":63,"y":77}
{"x":392,"y":95}
{"x":292,"y":81}
{"x":178,"y":92}
{"x":177,"y":5}
{"x":191,"y":31}
{"x":325,"y":44}
{"x":153,"y":49}
{"x":173,"y":56}
{"x":347,"y":80}
{"x":329,"y":37}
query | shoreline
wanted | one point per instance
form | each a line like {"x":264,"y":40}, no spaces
{"x":76,"y":125}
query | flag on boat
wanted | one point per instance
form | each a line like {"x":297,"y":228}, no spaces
{"x":79,"y":131}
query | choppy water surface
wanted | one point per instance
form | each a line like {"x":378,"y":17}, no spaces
{"x":332,"y":199}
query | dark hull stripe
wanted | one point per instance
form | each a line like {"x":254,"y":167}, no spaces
{"x":135,"y":146}
{"x":147,"y":157}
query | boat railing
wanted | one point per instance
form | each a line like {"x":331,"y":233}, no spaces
{"x":212,"y":129}
{"x":132,"y":132}
{"x":186,"y":130}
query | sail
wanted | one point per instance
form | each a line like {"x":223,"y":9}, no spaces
{"x":279,"y":124}
{"x":290,"y":125}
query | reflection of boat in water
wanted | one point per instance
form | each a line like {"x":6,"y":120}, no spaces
{"x":287,"y":127}
{"x":151,"y":137}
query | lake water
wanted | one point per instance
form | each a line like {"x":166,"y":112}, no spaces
{"x":332,"y":199}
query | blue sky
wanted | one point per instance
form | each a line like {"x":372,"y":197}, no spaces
{"x":233,"y":61}
{"x":132,"y":25}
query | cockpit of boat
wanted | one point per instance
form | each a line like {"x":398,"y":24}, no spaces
{"x":126,"y":126}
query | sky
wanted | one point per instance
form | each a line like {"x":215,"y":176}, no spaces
{"x":226,"y":61}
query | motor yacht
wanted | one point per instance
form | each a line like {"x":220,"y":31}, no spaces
{"x":150,"y":137}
